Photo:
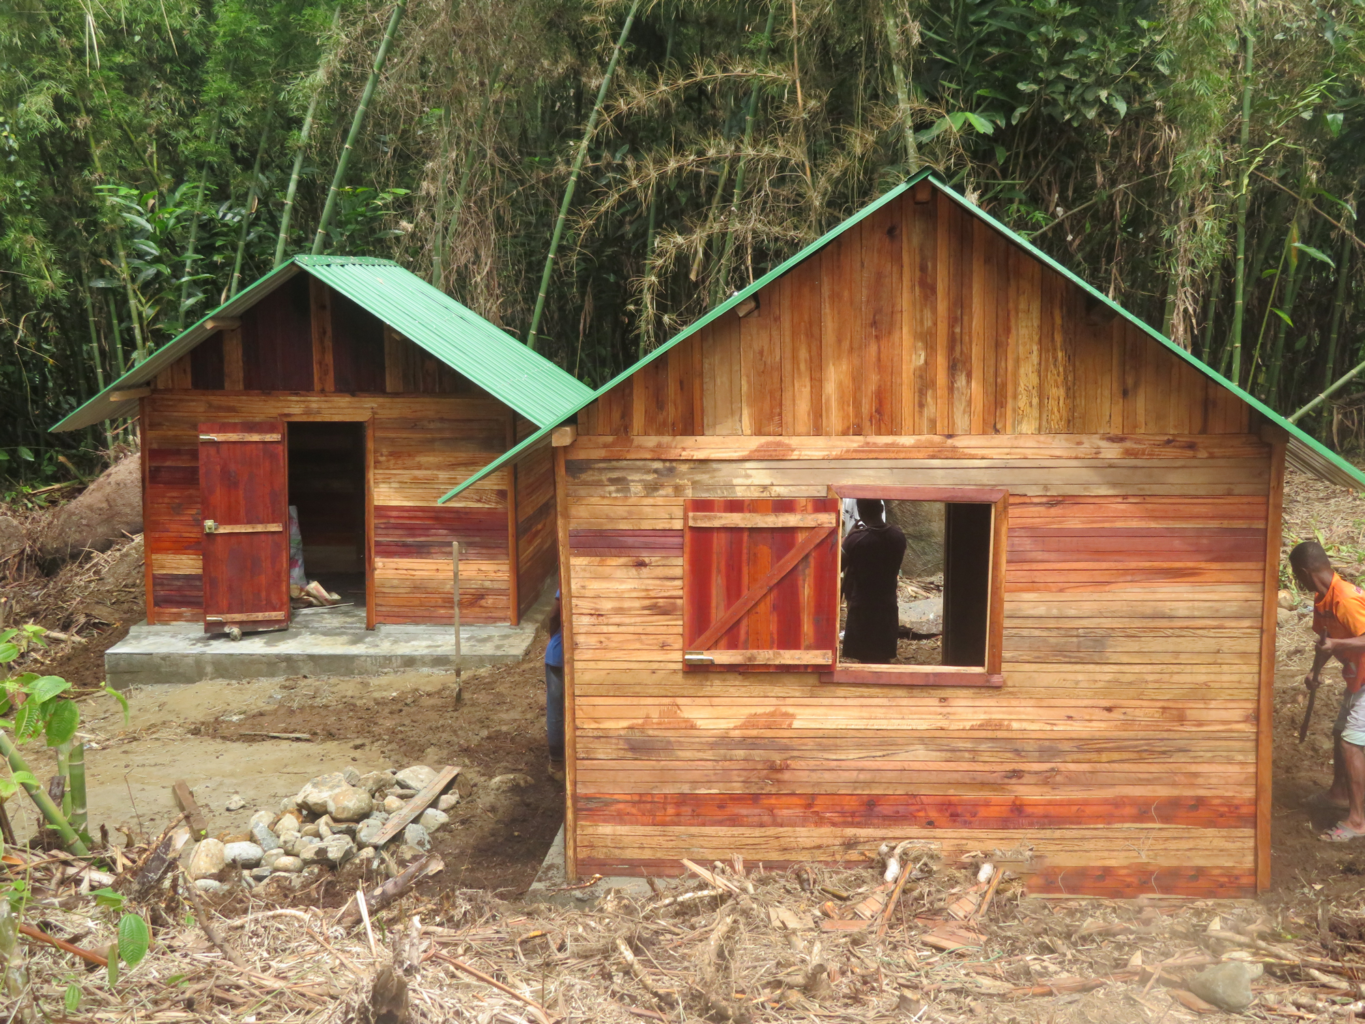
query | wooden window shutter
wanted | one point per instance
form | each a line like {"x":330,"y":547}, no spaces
{"x":760,"y":584}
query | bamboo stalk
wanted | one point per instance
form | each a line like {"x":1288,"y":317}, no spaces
{"x":339,"y":178}
{"x":1210,"y":312}
{"x":1328,"y":392}
{"x":1239,"y":267}
{"x":94,"y":334}
{"x":120,"y":362}
{"x":893,"y":40}
{"x":64,"y":770}
{"x":248,"y":210}
{"x":54,"y":816}
{"x":1338,"y":306}
{"x":1276,"y":357}
{"x":191,"y":244}
{"x":573,"y":178}
{"x":76,"y":764}
{"x":286,"y":214}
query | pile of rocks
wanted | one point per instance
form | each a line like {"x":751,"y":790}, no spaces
{"x":334,"y":819}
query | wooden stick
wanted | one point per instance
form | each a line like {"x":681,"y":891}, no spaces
{"x":184,"y":798}
{"x":385,"y":894}
{"x":417,"y":804}
{"x":980,"y":910}
{"x":203,"y":915}
{"x":52,"y":940}
{"x":893,"y":899}
{"x":365,"y":918}
{"x":455,"y":561}
{"x":539,"y":1011}
{"x":301,"y":737}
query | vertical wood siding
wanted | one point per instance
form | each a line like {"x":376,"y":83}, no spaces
{"x":920,"y":319}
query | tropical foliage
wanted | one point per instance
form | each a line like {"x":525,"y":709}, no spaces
{"x":619,"y":166}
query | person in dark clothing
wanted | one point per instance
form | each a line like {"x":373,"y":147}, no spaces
{"x":872,"y":556}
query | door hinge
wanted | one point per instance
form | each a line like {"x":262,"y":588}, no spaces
{"x":697,"y":658}
{"x":210,"y":526}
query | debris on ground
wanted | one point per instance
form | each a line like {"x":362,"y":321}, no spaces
{"x":721,"y":943}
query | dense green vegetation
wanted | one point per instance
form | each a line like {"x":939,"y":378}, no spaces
{"x":1198,"y":159}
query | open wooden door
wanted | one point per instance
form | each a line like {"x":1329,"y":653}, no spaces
{"x":244,"y":492}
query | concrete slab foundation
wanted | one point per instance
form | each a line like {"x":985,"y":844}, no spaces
{"x":550,"y":881}
{"x":319,"y":642}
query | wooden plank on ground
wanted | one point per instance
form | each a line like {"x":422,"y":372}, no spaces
{"x":416,"y":805}
{"x":184,"y":799}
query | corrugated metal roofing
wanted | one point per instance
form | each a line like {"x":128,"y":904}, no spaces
{"x":459,"y":337}
{"x":1303,"y":452}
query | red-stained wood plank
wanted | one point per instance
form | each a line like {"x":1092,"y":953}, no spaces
{"x":626,"y":542}
{"x":826,"y":810}
{"x":1143,"y":880}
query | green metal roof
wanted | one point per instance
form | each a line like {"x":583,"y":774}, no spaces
{"x":459,"y":337}
{"x":1304,"y":452}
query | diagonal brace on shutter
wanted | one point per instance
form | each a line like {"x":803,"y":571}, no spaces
{"x":740,"y":608}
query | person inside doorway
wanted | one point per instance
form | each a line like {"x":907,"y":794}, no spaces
{"x":872,"y":554}
{"x":554,"y":692}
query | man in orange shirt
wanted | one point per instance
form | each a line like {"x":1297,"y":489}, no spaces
{"x":1339,"y":621}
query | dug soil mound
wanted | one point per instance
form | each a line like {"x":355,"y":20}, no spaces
{"x":106,"y":512}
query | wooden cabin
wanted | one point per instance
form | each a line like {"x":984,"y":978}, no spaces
{"x":1101,"y":710}
{"x":358,"y":394}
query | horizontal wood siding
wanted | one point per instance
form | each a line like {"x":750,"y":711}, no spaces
{"x":1121,"y":749}
{"x":423,"y":446}
{"x":920,"y":319}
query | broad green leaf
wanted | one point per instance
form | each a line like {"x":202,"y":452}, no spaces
{"x":108,"y":898}
{"x":134,"y":939}
{"x":980,"y":124}
{"x":62,"y":722}
{"x":1282,"y":315}
{"x":44,"y":688}
{"x":72,"y":999}
{"x":8,"y":652}
{"x":27,"y":722}
{"x":24,"y":453}
{"x":25,"y":778}
{"x":1117,"y":102}
{"x":1317,"y":254}
{"x":6,"y":634}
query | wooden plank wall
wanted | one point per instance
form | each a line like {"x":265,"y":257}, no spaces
{"x":1121,"y":748}
{"x":921,"y":319}
{"x":423,"y":446}
{"x":537,"y":527}
{"x":431,"y":429}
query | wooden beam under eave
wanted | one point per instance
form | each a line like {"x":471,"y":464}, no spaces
{"x":222,"y":323}
{"x":129,"y":395}
{"x":562,"y":437}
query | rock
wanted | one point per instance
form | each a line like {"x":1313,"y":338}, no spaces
{"x":419,"y":776}
{"x":1286,"y":600}
{"x":105,"y":512}
{"x":264,"y":838}
{"x":922,"y":522}
{"x":312,"y":830}
{"x":392,"y":805}
{"x":1228,"y":985}
{"x":448,"y":801}
{"x":314,"y":854}
{"x":289,"y":865}
{"x":244,"y":855}
{"x":339,"y":849}
{"x":208,"y":858}
{"x":235,"y":802}
{"x":209,"y":885}
{"x":374,"y":782}
{"x":288,"y":804}
{"x":407,"y":854}
{"x":344,"y":828}
{"x":1285,"y":617}
{"x":514,"y":780}
{"x":315,"y":793}
{"x":365,"y":858}
{"x":350,"y":804}
{"x":261,"y":873}
{"x":351,"y":775}
{"x":324,"y":826}
{"x":432,"y":819}
{"x":269,"y":857}
{"x":288,"y":823}
{"x":368,"y":832}
{"x":11,"y":538}
{"x":923,"y":617}
{"x":416,"y":836}
{"x":260,"y":818}
{"x":289,"y":842}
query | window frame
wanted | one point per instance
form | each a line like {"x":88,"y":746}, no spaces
{"x":989,"y":675}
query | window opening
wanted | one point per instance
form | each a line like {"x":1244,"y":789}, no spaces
{"x":327,"y":502}
{"x":915,"y":588}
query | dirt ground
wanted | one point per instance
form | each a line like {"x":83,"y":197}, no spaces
{"x":211,"y":734}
